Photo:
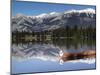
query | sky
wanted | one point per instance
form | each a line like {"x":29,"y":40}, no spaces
{"x":36,"y":8}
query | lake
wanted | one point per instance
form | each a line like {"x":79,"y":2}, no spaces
{"x":44,"y":56}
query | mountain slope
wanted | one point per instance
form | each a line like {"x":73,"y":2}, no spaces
{"x":54,"y":20}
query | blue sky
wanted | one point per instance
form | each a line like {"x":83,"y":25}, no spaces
{"x":36,"y":8}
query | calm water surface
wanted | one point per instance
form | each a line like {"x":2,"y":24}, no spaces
{"x":43,"y":56}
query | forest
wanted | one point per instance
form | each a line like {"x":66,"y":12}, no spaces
{"x":74,"y":32}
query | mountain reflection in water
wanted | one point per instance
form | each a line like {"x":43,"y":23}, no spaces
{"x":53,"y":55}
{"x":51,"y":50}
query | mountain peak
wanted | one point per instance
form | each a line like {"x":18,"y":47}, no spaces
{"x":54,"y":20}
{"x":42,"y":15}
{"x":88,"y":10}
{"x":54,"y":13}
{"x":19,"y":15}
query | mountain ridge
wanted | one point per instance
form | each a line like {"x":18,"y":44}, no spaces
{"x":54,"y":20}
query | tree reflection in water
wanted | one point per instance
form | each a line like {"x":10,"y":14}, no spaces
{"x":61,"y":50}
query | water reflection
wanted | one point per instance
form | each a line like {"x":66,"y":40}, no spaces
{"x":51,"y":50}
{"x":55,"y":54}
{"x":36,"y":51}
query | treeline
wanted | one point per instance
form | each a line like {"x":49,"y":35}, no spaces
{"x":74,"y":32}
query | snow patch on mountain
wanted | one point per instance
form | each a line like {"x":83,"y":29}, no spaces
{"x":88,"y":10}
{"x":54,"y":20}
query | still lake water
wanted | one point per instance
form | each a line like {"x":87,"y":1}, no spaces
{"x":44,"y":56}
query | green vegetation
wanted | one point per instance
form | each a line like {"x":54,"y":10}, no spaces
{"x":67,"y":32}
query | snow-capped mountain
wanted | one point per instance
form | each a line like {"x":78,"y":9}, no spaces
{"x":88,"y":10}
{"x":54,"y":20}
